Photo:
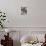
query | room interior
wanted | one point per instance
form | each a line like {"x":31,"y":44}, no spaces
{"x":22,"y":22}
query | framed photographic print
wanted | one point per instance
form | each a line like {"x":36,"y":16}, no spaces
{"x":23,"y":10}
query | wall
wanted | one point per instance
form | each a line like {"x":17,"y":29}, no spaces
{"x":36,"y":13}
{"x":35,"y":20}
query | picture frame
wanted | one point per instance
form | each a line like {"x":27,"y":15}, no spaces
{"x":23,"y":10}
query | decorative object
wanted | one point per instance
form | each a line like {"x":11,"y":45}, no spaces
{"x":8,"y":40}
{"x":44,"y":44}
{"x":7,"y":30}
{"x":23,"y":10}
{"x":2,"y":19}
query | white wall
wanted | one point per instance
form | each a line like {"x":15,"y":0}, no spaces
{"x":35,"y":18}
{"x":39,"y":13}
{"x":36,"y":13}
